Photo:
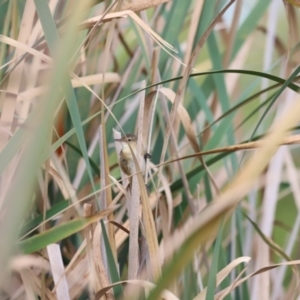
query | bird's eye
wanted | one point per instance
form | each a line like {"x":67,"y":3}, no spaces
{"x":129,"y":140}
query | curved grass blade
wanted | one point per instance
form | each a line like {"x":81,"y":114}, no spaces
{"x":286,"y":84}
{"x":277,"y":79}
{"x":255,"y":111}
{"x":49,"y":213}
{"x":60,"y":232}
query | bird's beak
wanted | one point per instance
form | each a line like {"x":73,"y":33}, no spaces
{"x":117,"y":140}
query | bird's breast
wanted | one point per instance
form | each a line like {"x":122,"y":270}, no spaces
{"x":126,"y":153}
{"x":127,"y":162}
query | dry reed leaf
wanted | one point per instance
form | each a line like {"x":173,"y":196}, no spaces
{"x":94,"y":79}
{"x":153,"y":70}
{"x":10,"y":62}
{"x":177,"y":200}
{"x":184,"y":117}
{"x":88,"y":233}
{"x":174,"y":149}
{"x":162,"y":221}
{"x":76,"y":257}
{"x":291,"y":12}
{"x":138,"y":5}
{"x":23,"y":48}
{"x":58,"y":272}
{"x":65,"y":190}
{"x":31,"y":70}
{"x":134,"y":217}
{"x":224,"y":273}
{"x":293,"y":32}
{"x":121,"y":236}
{"x":68,"y":189}
{"x":169,"y":198}
{"x":78,"y":277}
{"x":221,"y":295}
{"x":149,"y":115}
{"x":146,"y":44}
{"x":117,"y":135}
{"x":85,"y":43}
{"x":127,"y":13}
{"x":28,"y":285}
{"x":77,"y":271}
{"x":133,"y":214}
{"x":110,"y":77}
{"x":161,"y":42}
{"x":189,"y":129}
{"x":167,"y":295}
{"x":94,"y":21}
{"x":39,"y":288}
{"x":231,"y":36}
{"x":98,"y":260}
{"x":290,"y":140}
{"x":192,"y":31}
{"x":120,"y":187}
{"x":20,"y":262}
{"x":16,"y":290}
{"x":149,"y":108}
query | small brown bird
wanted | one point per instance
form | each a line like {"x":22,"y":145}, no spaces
{"x":126,"y":159}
